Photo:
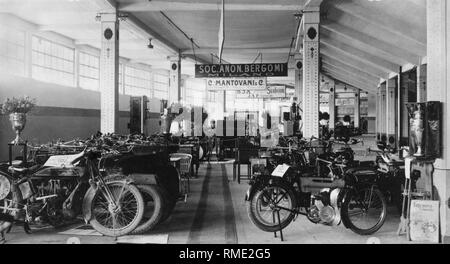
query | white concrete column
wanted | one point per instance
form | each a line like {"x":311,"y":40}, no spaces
{"x":383,"y":111}
{"x":175,"y":79}
{"x":372,"y":107}
{"x":299,"y":81}
{"x":438,"y":79}
{"x":404,"y":121}
{"x":391,"y":108}
{"x":332,"y":105}
{"x":378,"y":113}
{"x":357,"y":113}
{"x":422,"y":83}
{"x":109,"y":73}
{"x":311,"y":19}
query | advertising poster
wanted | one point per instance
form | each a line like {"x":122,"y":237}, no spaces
{"x":424,"y":221}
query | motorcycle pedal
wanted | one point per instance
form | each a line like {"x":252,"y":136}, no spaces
{"x":27,"y":228}
{"x":295,"y":217}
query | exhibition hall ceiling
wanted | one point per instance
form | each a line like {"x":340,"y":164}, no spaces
{"x":361,"y":40}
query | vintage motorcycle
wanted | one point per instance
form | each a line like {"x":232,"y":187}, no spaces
{"x":66,"y":186}
{"x":391,"y":173}
{"x":350,"y":196}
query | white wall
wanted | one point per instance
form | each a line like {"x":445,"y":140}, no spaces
{"x":62,"y":112}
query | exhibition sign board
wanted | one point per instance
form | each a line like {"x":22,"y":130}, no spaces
{"x":241,"y":70}
{"x":233,"y":84}
{"x":424,"y":221}
{"x":269,"y":92}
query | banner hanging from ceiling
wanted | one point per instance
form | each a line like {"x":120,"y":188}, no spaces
{"x":241,"y":70}
{"x":234,"y":84}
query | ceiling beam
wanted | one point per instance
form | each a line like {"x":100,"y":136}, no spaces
{"x":350,"y":82}
{"x":411,"y":33}
{"x":351,"y":62}
{"x":372,"y":50}
{"x":368,"y":82}
{"x":345,"y":67}
{"x":358,"y":54}
{"x":60,"y":26}
{"x":152,"y":6}
{"x":356,"y":83}
{"x":364,"y":39}
{"x":351,"y":72}
{"x":138,"y":24}
{"x":275,"y":50}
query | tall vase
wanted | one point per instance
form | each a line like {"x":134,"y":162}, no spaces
{"x":166,"y":122}
{"x":18,"y":121}
{"x":417,"y":126}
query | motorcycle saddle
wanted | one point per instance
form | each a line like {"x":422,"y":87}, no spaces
{"x":17,"y":163}
{"x":366,"y":171}
{"x":24,"y":170}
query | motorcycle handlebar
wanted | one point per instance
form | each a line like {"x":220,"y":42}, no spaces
{"x":326,"y":161}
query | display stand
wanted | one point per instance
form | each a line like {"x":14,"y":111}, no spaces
{"x":418,"y":186}
{"x":279,"y":223}
{"x":24,"y":146}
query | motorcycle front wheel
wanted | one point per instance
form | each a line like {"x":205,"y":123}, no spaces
{"x":123,"y":217}
{"x":364,"y":210}
{"x":153,"y":200}
{"x":272,"y":208}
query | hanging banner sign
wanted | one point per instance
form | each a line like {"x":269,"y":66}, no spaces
{"x":270,"y":92}
{"x":241,"y":70}
{"x":233,"y":84}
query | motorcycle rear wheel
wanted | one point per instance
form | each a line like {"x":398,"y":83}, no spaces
{"x":267,"y":202}
{"x":169,"y":205}
{"x":364,"y":211}
{"x":126,"y":219}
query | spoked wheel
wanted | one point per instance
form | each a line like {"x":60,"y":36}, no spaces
{"x":169,"y":203}
{"x":122,"y":216}
{"x":365,"y":210}
{"x":269,"y":203}
{"x":153,"y":205}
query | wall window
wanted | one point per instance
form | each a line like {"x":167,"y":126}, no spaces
{"x":52,"y":62}
{"x":195,"y":92}
{"x":212,"y":96}
{"x":137,"y":82}
{"x":89,"y":71}
{"x":161,"y":85}
{"x":12,"y":51}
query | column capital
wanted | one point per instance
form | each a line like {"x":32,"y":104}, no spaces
{"x":111,"y":16}
{"x":298,"y":57}
{"x":106,"y":17}
{"x":174,"y":58}
{"x":312,"y":6}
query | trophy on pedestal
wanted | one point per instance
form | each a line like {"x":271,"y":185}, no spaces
{"x":425,"y":129}
{"x":417,"y":129}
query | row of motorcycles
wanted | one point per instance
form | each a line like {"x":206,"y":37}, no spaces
{"x":118,"y":184}
{"x":326,"y":184}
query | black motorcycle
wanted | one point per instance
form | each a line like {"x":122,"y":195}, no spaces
{"x":66,"y":186}
{"x":391,"y":173}
{"x":350,"y":196}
